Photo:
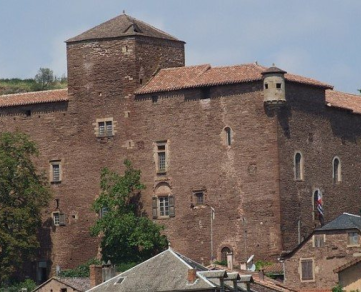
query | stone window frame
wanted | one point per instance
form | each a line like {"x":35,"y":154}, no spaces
{"x":162,"y":164}
{"x":308,"y":260}
{"x":156,"y":206}
{"x":55,"y":178}
{"x":58,"y":218}
{"x":299,"y":166}
{"x":351,"y":234}
{"x":336,"y":173}
{"x":224,"y":251}
{"x":315,"y":242}
{"x":196,"y":196}
{"x":107,"y":133}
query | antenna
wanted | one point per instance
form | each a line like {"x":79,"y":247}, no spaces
{"x":250,"y":259}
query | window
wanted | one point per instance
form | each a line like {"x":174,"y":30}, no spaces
{"x":307,"y":270}
{"x":161,"y":157}
{"x":224,"y":252}
{"x":103,"y":211}
{"x":63,"y":290}
{"x":228,"y":132}
{"x":104,"y":127}
{"x":353,"y":239}
{"x":266,"y":86}
{"x":318,"y":206}
{"x":205,"y":93}
{"x":58,"y":219}
{"x":199,"y":197}
{"x":55,"y":171}
{"x":336,"y":170}
{"x":154,"y":98}
{"x":298,"y":166}
{"x":163,"y":206}
{"x":319,"y":240}
{"x":278,"y":85}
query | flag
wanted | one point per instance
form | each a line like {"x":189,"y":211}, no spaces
{"x":319,"y":207}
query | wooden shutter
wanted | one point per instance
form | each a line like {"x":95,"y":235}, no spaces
{"x":307,"y":270}
{"x":155,"y":207}
{"x":62,"y":219}
{"x":171,"y":206}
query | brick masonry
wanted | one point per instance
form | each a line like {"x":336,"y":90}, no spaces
{"x":250,"y":183}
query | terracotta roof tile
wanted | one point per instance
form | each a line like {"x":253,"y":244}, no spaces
{"x":33,"y":97}
{"x":120,"y":26}
{"x":343,"y":100}
{"x":347,"y":265}
{"x":204,"y":75}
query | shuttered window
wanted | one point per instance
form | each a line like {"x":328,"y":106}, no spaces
{"x":163,"y":206}
{"x":307,"y":270}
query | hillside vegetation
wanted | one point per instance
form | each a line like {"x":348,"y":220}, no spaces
{"x":44,"y":80}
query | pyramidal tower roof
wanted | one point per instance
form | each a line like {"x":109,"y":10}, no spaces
{"x":122,"y":26}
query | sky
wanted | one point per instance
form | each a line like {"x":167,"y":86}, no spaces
{"x":319,"y":39}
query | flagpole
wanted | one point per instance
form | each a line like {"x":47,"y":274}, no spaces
{"x":212,"y":218}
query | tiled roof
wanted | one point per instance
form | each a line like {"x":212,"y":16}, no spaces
{"x":343,"y":222}
{"x":163,"y":272}
{"x":120,"y":26}
{"x":33,"y":97}
{"x":81,"y":284}
{"x":347,"y":265}
{"x":204,"y":75}
{"x":343,"y":100}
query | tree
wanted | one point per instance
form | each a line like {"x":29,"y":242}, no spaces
{"x":23,"y":195}
{"x":44,"y":78}
{"x":128,"y":236}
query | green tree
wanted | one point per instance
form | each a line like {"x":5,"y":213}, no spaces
{"x":23,"y":195}
{"x":128,"y":236}
{"x":44,"y":78}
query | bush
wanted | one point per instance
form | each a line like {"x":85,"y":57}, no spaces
{"x":81,"y":270}
{"x":30,"y":285}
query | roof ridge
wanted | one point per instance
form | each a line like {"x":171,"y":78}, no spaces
{"x":353,"y":94}
{"x":32,"y":92}
{"x":354,"y":215}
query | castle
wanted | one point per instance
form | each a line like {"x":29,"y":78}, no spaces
{"x":233,"y":158}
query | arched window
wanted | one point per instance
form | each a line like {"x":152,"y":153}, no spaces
{"x":336,"y":170}
{"x":318,"y":206}
{"x":224,"y":253}
{"x":228,"y":136}
{"x":298,"y":166}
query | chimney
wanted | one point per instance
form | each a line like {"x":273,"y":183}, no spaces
{"x":95,"y":275}
{"x":261,"y":275}
{"x":108,"y":271}
{"x":192,"y":276}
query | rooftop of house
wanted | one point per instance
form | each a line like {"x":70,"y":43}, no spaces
{"x":170,"y":79}
{"x":36,"y":97}
{"x":343,"y":222}
{"x":166,"y":271}
{"x":347,"y":101}
{"x":347,"y":265}
{"x":76,"y":283}
{"x":122,"y":26}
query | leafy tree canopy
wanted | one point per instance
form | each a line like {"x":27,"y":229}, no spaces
{"x":23,"y":195}
{"x":128,"y":236}
{"x":44,"y":78}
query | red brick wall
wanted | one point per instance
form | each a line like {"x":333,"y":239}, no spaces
{"x":320,"y":133}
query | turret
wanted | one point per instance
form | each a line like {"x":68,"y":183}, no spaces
{"x":274,"y":87}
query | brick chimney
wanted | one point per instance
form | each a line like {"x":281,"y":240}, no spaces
{"x":95,"y":275}
{"x":192,"y":276}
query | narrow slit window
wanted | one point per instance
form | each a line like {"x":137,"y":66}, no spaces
{"x":336,"y":170}
{"x":228,"y":136}
{"x":298,"y":166}
{"x":266,"y":85}
{"x":161,"y":158}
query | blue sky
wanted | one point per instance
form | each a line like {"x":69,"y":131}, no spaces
{"x":319,"y":39}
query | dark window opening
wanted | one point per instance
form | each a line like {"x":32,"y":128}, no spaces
{"x":28,"y":113}
{"x":228,"y":135}
{"x":205,"y":93}
{"x":140,"y":81}
{"x":298,"y":166}
{"x":154,"y":98}
{"x":199,"y":198}
{"x":266,"y":85}
{"x":278,"y":85}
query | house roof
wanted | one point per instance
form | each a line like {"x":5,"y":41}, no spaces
{"x":347,"y":265}
{"x":76,"y":283}
{"x":343,"y":222}
{"x":122,"y":26}
{"x":166,"y":271}
{"x":344,"y":100}
{"x":170,"y":79}
{"x":36,"y":97}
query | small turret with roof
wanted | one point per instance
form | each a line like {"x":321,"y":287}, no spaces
{"x":274,"y":86}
